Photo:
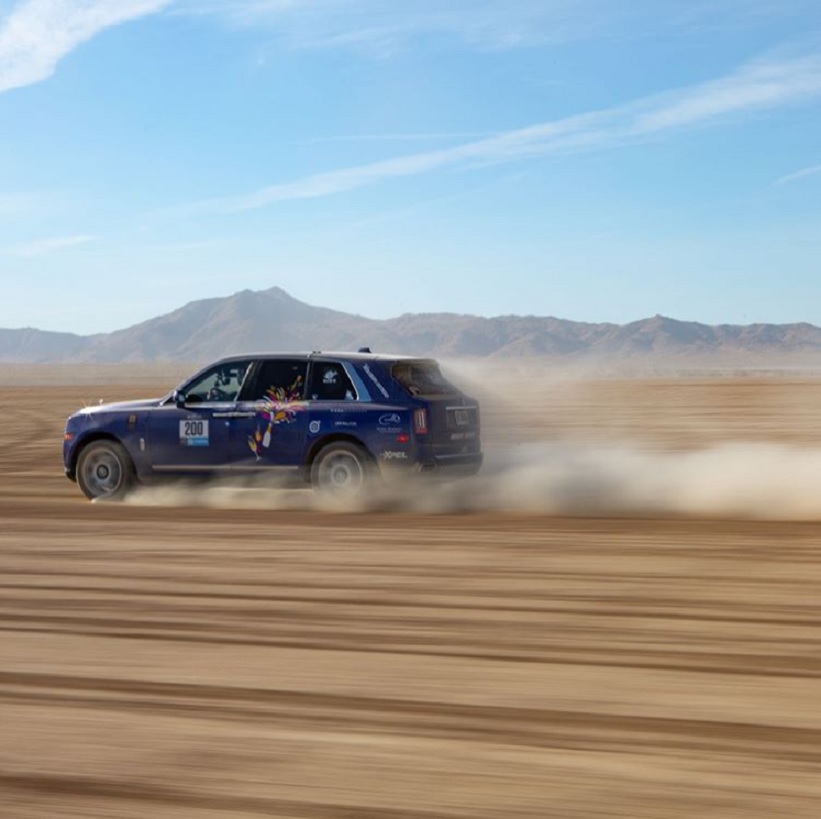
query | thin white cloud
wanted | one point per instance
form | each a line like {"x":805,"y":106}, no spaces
{"x":759,"y":85}
{"x":379,"y":27}
{"x":43,"y":246}
{"x":791,"y":177}
{"x":417,"y":137}
{"x":755,"y":87}
{"x":36,"y":34}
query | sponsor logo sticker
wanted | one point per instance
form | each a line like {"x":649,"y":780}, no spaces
{"x":314,"y":427}
{"x":389,"y":423}
{"x":394,"y":456}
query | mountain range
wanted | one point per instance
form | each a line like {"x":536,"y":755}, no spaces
{"x":271,"y":320}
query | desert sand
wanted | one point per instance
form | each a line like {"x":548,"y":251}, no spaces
{"x":608,"y":651}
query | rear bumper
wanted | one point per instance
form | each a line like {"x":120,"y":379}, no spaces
{"x":463,"y":464}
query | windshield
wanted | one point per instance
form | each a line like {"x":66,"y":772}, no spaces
{"x":220,"y":383}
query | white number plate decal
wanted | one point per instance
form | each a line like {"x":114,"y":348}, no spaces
{"x":194,"y":433}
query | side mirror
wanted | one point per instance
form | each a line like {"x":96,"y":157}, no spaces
{"x":179,"y":398}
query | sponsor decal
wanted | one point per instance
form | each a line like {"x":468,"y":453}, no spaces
{"x":346,"y":424}
{"x":389,"y":423}
{"x":280,"y":406}
{"x":314,"y":427}
{"x":194,"y":433}
{"x":376,"y":381}
{"x":394,"y":456}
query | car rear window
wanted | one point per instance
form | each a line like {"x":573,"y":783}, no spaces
{"x":422,"y":378}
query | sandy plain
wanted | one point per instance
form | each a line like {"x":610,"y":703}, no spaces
{"x":202,"y":660}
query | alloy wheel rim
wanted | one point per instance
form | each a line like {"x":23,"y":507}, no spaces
{"x":103,"y":472}
{"x":342,"y":473}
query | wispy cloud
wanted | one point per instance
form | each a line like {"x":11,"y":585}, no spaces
{"x":755,"y":87}
{"x":417,"y":137}
{"x":379,"y":27}
{"x":790,"y":177}
{"x":43,"y":246}
{"x":36,"y":34}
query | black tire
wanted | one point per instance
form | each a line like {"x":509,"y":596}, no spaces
{"x":105,"y":471}
{"x":343,"y":470}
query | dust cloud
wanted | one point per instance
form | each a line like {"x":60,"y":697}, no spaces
{"x":735,"y":481}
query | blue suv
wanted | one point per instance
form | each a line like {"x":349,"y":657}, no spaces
{"x":336,"y":421}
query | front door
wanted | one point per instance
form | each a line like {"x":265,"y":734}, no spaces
{"x":195,"y":438}
{"x":196,"y":434}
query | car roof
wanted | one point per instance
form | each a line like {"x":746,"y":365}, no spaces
{"x":320,"y":354}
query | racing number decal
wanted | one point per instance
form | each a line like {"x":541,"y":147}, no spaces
{"x":194,"y":433}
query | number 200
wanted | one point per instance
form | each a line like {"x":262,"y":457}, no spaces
{"x":194,"y":428}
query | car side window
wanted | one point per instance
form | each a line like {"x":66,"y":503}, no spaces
{"x":221,"y":383}
{"x":278,"y":379}
{"x":330,"y":382}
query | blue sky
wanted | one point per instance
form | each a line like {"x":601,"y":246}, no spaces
{"x":589,"y":159}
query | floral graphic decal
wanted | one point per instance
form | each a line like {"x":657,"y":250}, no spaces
{"x":279,"y":406}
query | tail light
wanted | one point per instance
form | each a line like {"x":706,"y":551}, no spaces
{"x":420,"y":422}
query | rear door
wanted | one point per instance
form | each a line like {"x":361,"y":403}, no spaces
{"x":271,"y":422}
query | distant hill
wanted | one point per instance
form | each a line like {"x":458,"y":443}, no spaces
{"x":274,"y":321}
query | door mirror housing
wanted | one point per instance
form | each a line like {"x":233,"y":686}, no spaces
{"x":179,"y":398}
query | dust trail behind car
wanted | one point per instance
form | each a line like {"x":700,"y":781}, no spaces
{"x":738,"y":481}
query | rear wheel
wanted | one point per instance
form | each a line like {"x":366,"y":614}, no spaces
{"x":342,"y":469}
{"x":105,"y":471}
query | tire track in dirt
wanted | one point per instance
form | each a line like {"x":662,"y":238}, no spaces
{"x":152,"y":796}
{"x":509,"y":725}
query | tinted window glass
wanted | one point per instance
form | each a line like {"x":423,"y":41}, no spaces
{"x":330,"y":382}
{"x":422,"y":378}
{"x":220,"y":383}
{"x":281,"y":380}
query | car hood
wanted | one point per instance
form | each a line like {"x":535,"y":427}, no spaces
{"x":120,"y":406}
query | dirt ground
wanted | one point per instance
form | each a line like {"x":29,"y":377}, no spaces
{"x":211,"y":661}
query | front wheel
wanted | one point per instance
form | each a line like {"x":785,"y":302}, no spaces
{"x":342,"y":469}
{"x":105,"y":471}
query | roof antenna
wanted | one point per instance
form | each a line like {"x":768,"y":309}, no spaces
{"x":364,"y":350}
